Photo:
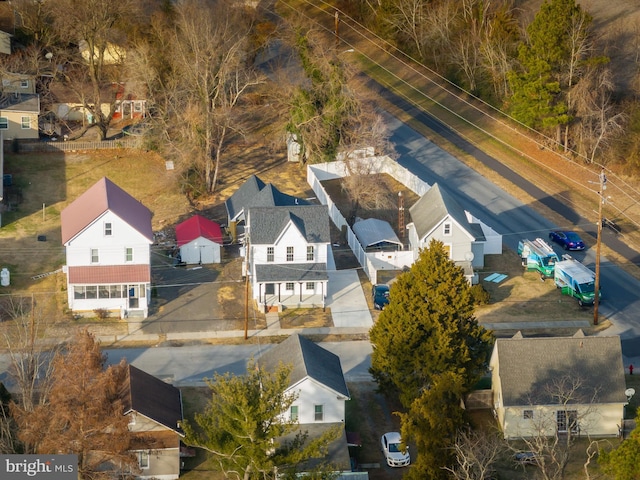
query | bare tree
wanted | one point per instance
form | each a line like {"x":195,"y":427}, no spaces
{"x":554,"y":430}
{"x":98,"y":28}
{"x":83,"y":414}
{"x":198,"y":81}
{"x":600,"y":120}
{"x":476,"y":453}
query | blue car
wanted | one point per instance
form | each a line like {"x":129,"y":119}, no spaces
{"x":380,"y":294}
{"x":567,"y":240}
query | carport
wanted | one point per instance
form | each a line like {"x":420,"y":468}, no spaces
{"x":376,"y":235}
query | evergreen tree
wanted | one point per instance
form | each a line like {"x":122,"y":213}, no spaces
{"x":245,"y":422}
{"x":623,"y":463}
{"x":540,"y":86}
{"x":428,"y":329}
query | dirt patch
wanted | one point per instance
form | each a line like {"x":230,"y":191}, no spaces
{"x":306,"y":317}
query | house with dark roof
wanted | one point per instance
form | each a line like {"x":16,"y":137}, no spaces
{"x":200,"y":240}
{"x":318,"y":381}
{"x":437,"y":215}
{"x":286,"y":252}
{"x":255,"y":193}
{"x":154,"y":409}
{"x":107,"y":236}
{"x":558,"y":385}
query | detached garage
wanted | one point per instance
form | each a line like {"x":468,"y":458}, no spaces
{"x":199,"y":240}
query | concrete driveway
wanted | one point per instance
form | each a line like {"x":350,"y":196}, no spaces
{"x":346,"y":300}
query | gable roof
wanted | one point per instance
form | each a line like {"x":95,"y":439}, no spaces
{"x":527,"y":366}
{"x":434,"y":206}
{"x":104,"y":196}
{"x":255,"y":193}
{"x":373,"y":231}
{"x":308,"y":360}
{"x":196,"y":227}
{"x":149,"y":396}
{"x":266,"y":224}
{"x":20,"y":102}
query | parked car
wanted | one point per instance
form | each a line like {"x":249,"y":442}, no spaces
{"x":526,"y":458}
{"x":394,"y":454}
{"x":380,"y":296}
{"x":568,"y":240}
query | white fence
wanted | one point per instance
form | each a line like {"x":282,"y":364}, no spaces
{"x":371,"y":262}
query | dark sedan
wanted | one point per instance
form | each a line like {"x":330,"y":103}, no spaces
{"x":380,"y":295}
{"x":567,"y":240}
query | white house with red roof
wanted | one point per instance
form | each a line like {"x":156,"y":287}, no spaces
{"x":107,"y":236}
{"x":199,"y":240}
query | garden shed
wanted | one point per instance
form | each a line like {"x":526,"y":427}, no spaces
{"x":199,"y":240}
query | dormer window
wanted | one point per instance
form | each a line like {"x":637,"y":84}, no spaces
{"x":446,"y":230}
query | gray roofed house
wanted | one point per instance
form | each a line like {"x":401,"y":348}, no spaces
{"x":375,"y":233}
{"x":287,"y":249}
{"x":531,"y":375}
{"x":318,"y":380}
{"x":255,"y":193}
{"x":437,"y":215}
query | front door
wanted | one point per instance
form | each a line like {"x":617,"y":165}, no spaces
{"x":134,"y":295}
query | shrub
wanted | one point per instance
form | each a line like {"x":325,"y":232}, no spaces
{"x":479,"y":294}
{"x":101,"y":313}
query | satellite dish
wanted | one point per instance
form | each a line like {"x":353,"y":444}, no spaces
{"x":469,"y":256}
{"x":630,"y":392}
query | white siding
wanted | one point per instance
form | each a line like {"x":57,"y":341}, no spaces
{"x":311,"y":393}
{"x":200,"y":250}
{"x":111,"y":248}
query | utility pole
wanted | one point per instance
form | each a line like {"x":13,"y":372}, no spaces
{"x":596,"y":298}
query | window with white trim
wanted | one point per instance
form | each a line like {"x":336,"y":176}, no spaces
{"x":270,"y":254}
{"x":289,"y":254}
{"x":4,"y":123}
{"x":527,"y":414}
{"x":25,"y":123}
{"x":293,"y":413}
{"x":24,"y":83}
{"x":310,"y":253}
{"x":310,"y":286}
{"x":143,"y":460}
{"x":289,"y":286}
{"x":446,"y":229}
{"x":128,"y":254}
{"x":318,"y":411}
{"x":95,"y":257}
{"x":107,"y":229}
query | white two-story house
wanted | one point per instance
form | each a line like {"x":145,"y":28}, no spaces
{"x":107,"y":236}
{"x":286,"y":252}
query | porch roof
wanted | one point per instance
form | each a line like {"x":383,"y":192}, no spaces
{"x":291,"y":272}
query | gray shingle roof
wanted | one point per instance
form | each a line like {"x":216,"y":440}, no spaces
{"x":266,"y":224}
{"x":529,"y":366}
{"x":20,"y":102}
{"x":435,"y":205}
{"x":291,"y":272}
{"x":255,"y":193}
{"x":308,"y":360}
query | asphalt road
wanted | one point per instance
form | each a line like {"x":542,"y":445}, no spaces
{"x":516,"y":220}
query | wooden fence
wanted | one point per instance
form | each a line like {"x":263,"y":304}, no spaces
{"x":70,"y":146}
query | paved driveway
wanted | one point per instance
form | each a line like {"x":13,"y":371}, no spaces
{"x":347,"y":301}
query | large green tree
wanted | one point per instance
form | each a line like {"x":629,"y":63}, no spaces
{"x":548,"y":59}
{"x":623,"y":462}
{"x":430,"y":350}
{"x":428,"y":328}
{"x":245,"y":424}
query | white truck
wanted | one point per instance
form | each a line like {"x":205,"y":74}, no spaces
{"x":538,"y":255}
{"x":576,"y":280}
